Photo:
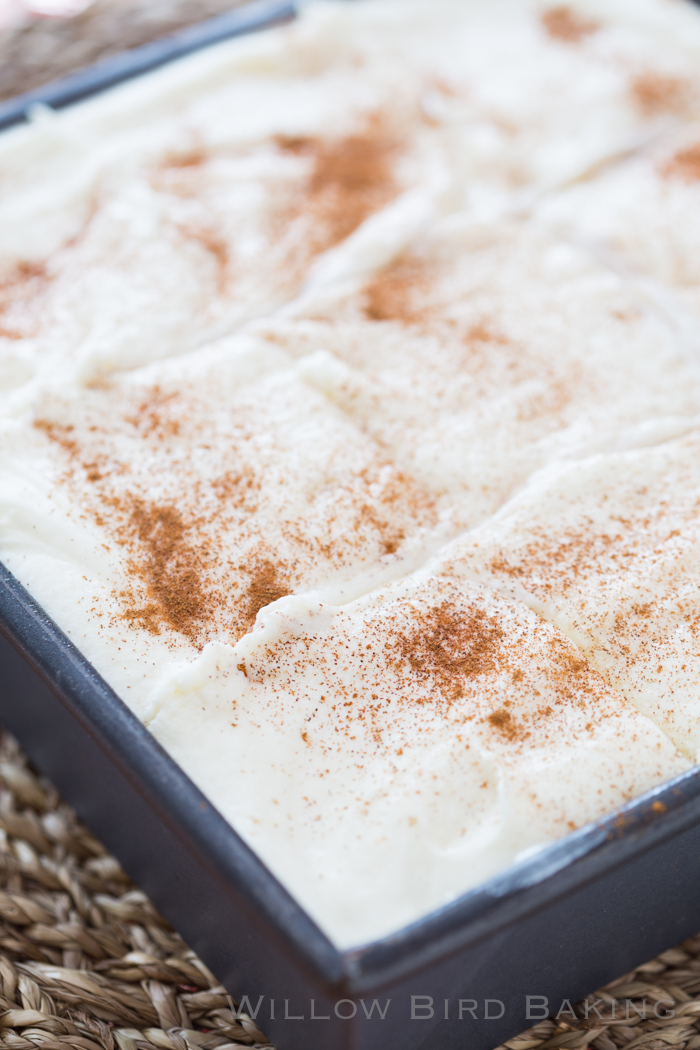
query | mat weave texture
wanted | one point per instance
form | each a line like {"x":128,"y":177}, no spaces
{"x":668,"y":986}
{"x":87,"y":962}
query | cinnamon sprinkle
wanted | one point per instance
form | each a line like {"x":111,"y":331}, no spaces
{"x":237,"y":489}
{"x":26,"y":271}
{"x":60,"y":434}
{"x":391,"y":536}
{"x":351,"y":178}
{"x":267,"y":584}
{"x":685,"y":164}
{"x":161,"y":555}
{"x":391,"y":294}
{"x":216,"y":247}
{"x":485,"y":333}
{"x":25,"y":281}
{"x":566,"y":25}
{"x":656,"y":93}
{"x":450,"y":643}
{"x":191,"y":158}
{"x":152,"y":416}
{"x":503,"y":721}
{"x":181,"y":550}
{"x":567,"y":557}
{"x":171,"y":567}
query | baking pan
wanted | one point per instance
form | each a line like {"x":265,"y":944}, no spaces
{"x":572,"y":917}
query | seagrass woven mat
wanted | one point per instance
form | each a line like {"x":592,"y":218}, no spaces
{"x":87,"y":962}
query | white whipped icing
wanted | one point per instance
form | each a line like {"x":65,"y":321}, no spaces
{"x":607,"y":549}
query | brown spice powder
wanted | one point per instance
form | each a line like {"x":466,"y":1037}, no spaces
{"x":351,"y":178}
{"x":408,"y":291}
{"x":156,"y":537}
{"x":267,"y":584}
{"x":170,"y":566}
{"x":60,"y":435}
{"x":391,"y":294}
{"x":450,"y":643}
{"x":566,"y":25}
{"x":216,"y":247}
{"x":157,"y":415}
{"x":393,"y":540}
{"x":25,"y":271}
{"x":237,"y":490}
{"x":173,"y":546}
{"x":191,"y":158}
{"x":563,"y":559}
{"x":10,"y":333}
{"x":391,"y":535}
{"x":503,"y":721}
{"x":655,"y":93}
{"x":23,"y":282}
{"x":485,"y":333}
{"x":685,"y":164}
{"x":570,"y":671}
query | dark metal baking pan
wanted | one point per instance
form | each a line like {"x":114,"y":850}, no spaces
{"x":576,"y":915}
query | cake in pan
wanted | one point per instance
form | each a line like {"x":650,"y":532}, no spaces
{"x":349,"y":423}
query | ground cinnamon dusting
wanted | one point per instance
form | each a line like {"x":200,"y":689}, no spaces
{"x":157,"y":415}
{"x":485,"y":333}
{"x":267,"y":584}
{"x":566,"y":25}
{"x":569,"y":556}
{"x":484,"y":343}
{"x":172,"y":569}
{"x":391,"y":294}
{"x":25,"y":281}
{"x":351,"y":178}
{"x":685,"y":164}
{"x":60,"y":434}
{"x":656,"y":93}
{"x":449,"y":643}
{"x":237,"y":489}
{"x":216,"y":247}
{"x":23,"y":272}
{"x":191,"y":158}
{"x":183,"y":573}
{"x":390,"y":535}
{"x":503,"y":721}
{"x":157,"y":538}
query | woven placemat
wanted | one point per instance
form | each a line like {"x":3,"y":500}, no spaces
{"x":87,"y":962}
{"x":655,"y":1006}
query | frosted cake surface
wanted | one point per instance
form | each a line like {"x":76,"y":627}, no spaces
{"x":350,"y":426}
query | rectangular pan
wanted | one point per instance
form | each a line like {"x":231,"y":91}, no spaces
{"x":572,"y":917}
